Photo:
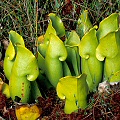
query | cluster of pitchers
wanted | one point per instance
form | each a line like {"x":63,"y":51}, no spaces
{"x":73,"y":66}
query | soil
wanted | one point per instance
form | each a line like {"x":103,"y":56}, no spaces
{"x":105,"y":106}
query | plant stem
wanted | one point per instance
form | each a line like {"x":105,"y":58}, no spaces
{"x":36,"y":42}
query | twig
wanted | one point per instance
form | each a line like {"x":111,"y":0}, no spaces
{"x":27,"y":11}
{"x":87,"y":116}
{"x":36,"y":41}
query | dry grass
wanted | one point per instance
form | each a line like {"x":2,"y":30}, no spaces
{"x":29,"y":17}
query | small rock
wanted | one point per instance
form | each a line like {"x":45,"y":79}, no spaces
{"x":103,"y":87}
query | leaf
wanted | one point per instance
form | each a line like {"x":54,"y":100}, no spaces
{"x":41,"y":62}
{"x":72,"y":61}
{"x":109,"y":50}
{"x":88,"y":44}
{"x":11,"y":52}
{"x":4,"y":88}
{"x":107,"y":47}
{"x":43,"y":46}
{"x":109,"y":24}
{"x":73,"y":39}
{"x":27,"y":112}
{"x":90,"y":65}
{"x":57,"y":24}
{"x":43,"y":82}
{"x":16,"y":39}
{"x":26,"y":63}
{"x":35,"y":91}
{"x":9,"y":60}
{"x":24,"y":70}
{"x":66,"y":69}
{"x":55,"y":54}
{"x":115,"y":77}
{"x":50,"y":29}
{"x":83,"y":24}
{"x":74,"y":90}
{"x":73,"y":58}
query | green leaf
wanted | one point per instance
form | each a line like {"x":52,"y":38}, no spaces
{"x":73,"y":39}
{"x":35,"y":91}
{"x":57,"y":24}
{"x":74,"y":90}
{"x":26,"y":63}
{"x":9,"y":60}
{"x":4,"y":88}
{"x":72,"y":61}
{"x":16,"y":39}
{"x":66,"y":69}
{"x":55,"y":54}
{"x":115,"y":77}
{"x":24,"y":70}
{"x":109,"y":24}
{"x":44,"y":82}
{"x":41,"y":62}
{"x":43,"y":46}
{"x":88,"y":44}
{"x":49,"y":30}
{"x":107,"y":47}
{"x":83,"y":24}
{"x":90,"y":65}
{"x":73,"y":58}
{"x":11,"y":52}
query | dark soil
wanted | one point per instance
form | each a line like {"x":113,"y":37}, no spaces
{"x":105,"y":106}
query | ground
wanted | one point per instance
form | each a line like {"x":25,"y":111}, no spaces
{"x":105,"y":106}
